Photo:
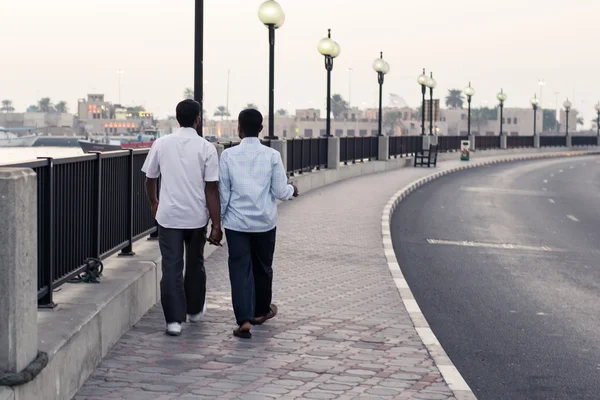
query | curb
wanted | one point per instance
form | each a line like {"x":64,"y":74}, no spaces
{"x":450,"y":373}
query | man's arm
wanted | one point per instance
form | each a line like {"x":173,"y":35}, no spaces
{"x":280,"y":188}
{"x":211,"y":192}
{"x":224,"y":184}
{"x":151,"y":168}
{"x":151,"y":193}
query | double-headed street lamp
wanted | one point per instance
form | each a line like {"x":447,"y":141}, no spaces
{"x":431,"y":84}
{"x":501,"y":98}
{"x":330,"y":49}
{"x":567,"y":105}
{"x":271,"y":14}
{"x":534,"y":103}
{"x":469,"y":92}
{"x":381,"y":67}
{"x":597,"y":107}
{"x":423,"y":80}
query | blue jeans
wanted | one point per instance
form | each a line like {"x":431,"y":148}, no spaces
{"x":251,"y":273}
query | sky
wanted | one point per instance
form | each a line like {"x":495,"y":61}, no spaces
{"x":64,"y":49}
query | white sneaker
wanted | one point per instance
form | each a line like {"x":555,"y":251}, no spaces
{"x":174,"y":329}
{"x":197,"y":317}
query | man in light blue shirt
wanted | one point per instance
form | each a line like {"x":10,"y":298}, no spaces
{"x":252,"y":178}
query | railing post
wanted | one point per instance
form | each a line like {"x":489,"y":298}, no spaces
{"x":473,"y":142}
{"x":333,"y":152}
{"x":383,"y":147}
{"x":281,"y":147}
{"x":18,"y":271}
{"x":302,"y":155}
{"x":48,"y":246}
{"x":98,"y":203}
{"x":569,"y":140}
{"x":128,"y":250}
{"x":503,"y":142}
{"x":292,"y":144}
{"x":355,"y":148}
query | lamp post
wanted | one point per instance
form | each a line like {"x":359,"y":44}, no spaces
{"x":534,"y":103}
{"x":501,"y":98}
{"x":597,"y":107}
{"x":431,"y":84}
{"x":469,"y":92}
{"x":330,"y":49}
{"x":567,"y":105}
{"x":271,"y":14}
{"x":423,"y":80}
{"x":198,"y":59}
{"x":382,"y":68}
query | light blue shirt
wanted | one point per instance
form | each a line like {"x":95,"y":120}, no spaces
{"x":252,"y":178}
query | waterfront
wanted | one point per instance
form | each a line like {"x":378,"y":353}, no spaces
{"x":9,"y":155}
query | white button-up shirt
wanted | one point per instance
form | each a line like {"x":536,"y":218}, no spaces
{"x":252,"y":178}
{"x":185,"y":161}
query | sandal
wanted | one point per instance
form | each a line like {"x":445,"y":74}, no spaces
{"x":271,"y":314}
{"x":242,"y":334}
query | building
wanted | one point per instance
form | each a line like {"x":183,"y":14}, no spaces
{"x":51,"y":123}
{"x":98,"y":116}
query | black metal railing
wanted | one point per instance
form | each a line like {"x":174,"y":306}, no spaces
{"x":404,"y":145}
{"x":487,"y":142}
{"x":360,"y":148}
{"x":515,"y":142}
{"x":448,"y":143}
{"x":553,"y":141}
{"x":89,"y":207}
{"x":306,"y":154}
{"x":584,"y":141}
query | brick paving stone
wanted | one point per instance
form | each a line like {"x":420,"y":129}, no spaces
{"x":342,"y":330}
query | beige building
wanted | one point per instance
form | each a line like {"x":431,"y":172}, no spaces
{"x":52,"y":123}
{"x":96,"y":116}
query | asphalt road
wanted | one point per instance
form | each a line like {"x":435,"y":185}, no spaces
{"x":504,"y":263}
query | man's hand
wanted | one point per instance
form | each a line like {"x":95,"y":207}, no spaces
{"x":216,"y":236}
{"x":154,"y":208}
{"x":296,"y":191}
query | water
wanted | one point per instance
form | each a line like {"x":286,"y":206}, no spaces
{"x":9,"y":155}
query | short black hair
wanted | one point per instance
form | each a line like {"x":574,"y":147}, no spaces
{"x":250,"y":120}
{"x":186,"y":112}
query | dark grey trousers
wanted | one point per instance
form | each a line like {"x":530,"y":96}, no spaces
{"x":251,"y":273}
{"x":181,"y":295}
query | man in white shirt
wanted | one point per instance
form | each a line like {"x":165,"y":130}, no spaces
{"x":252,"y":180}
{"x":189,"y":169}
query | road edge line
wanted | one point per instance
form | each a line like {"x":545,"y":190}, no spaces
{"x":448,"y":370}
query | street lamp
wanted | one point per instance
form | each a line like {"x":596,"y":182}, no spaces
{"x":469,"y":92}
{"x":501,"y":98}
{"x":382,"y":68}
{"x":271,"y":14}
{"x":597,"y":107}
{"x":423,"y":80}
{"x":431,"y":84}
{"x":330,"y":49}
{"x":567,"y":105}
{"x":198,"y":59}
{"x":534,"y":103}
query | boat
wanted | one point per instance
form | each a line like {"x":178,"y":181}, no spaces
{"x":105,"y":143}
{"x":9,"y":139}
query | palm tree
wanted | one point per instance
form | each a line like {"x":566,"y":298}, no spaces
{"x":45,"y":105}
{"x":7,"y":106}
{"x":580,"y":121}
{"x":188,"y":93}
{"x":252,"y":106}
{"x":455,"y":99}
{"x":33,"y":108}
{"x":221,"y":112}
{"x":61,"y":107}
{"x":391,"y":121}
{"x":282,"y":112}
{"x":338,"y":105}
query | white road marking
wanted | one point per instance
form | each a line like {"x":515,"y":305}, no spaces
{"x":571,"y":167}
{"x":551,"y":201}
{"x":545,"y":180}
{"x":505,"y":246}
{"x":572,"y":218}
{"x":483,"y":189}
{"x":540,"y":313}
{"x":551,"y":175}
{"x":544,"y":189}
{"x":560,"y":170}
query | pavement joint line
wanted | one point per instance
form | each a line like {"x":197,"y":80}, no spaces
{"x":448,"y":370}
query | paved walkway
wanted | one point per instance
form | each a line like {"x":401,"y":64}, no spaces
{"x":342,"y":331}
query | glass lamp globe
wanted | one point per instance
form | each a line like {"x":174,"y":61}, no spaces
{"x":534,"y":101}
{"x":501,"y":96}
{"x":271,"y":13}
{"x":567,"y":104}
{"x":326,"y":46}
{"x":379,"y":65}
{"x":469,"y":91}
{"x":387,"y":68}
{"x":423,"y":79}
{"x":431,"y":83}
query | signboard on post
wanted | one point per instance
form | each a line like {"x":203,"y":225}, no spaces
{"x":465,"y":153}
